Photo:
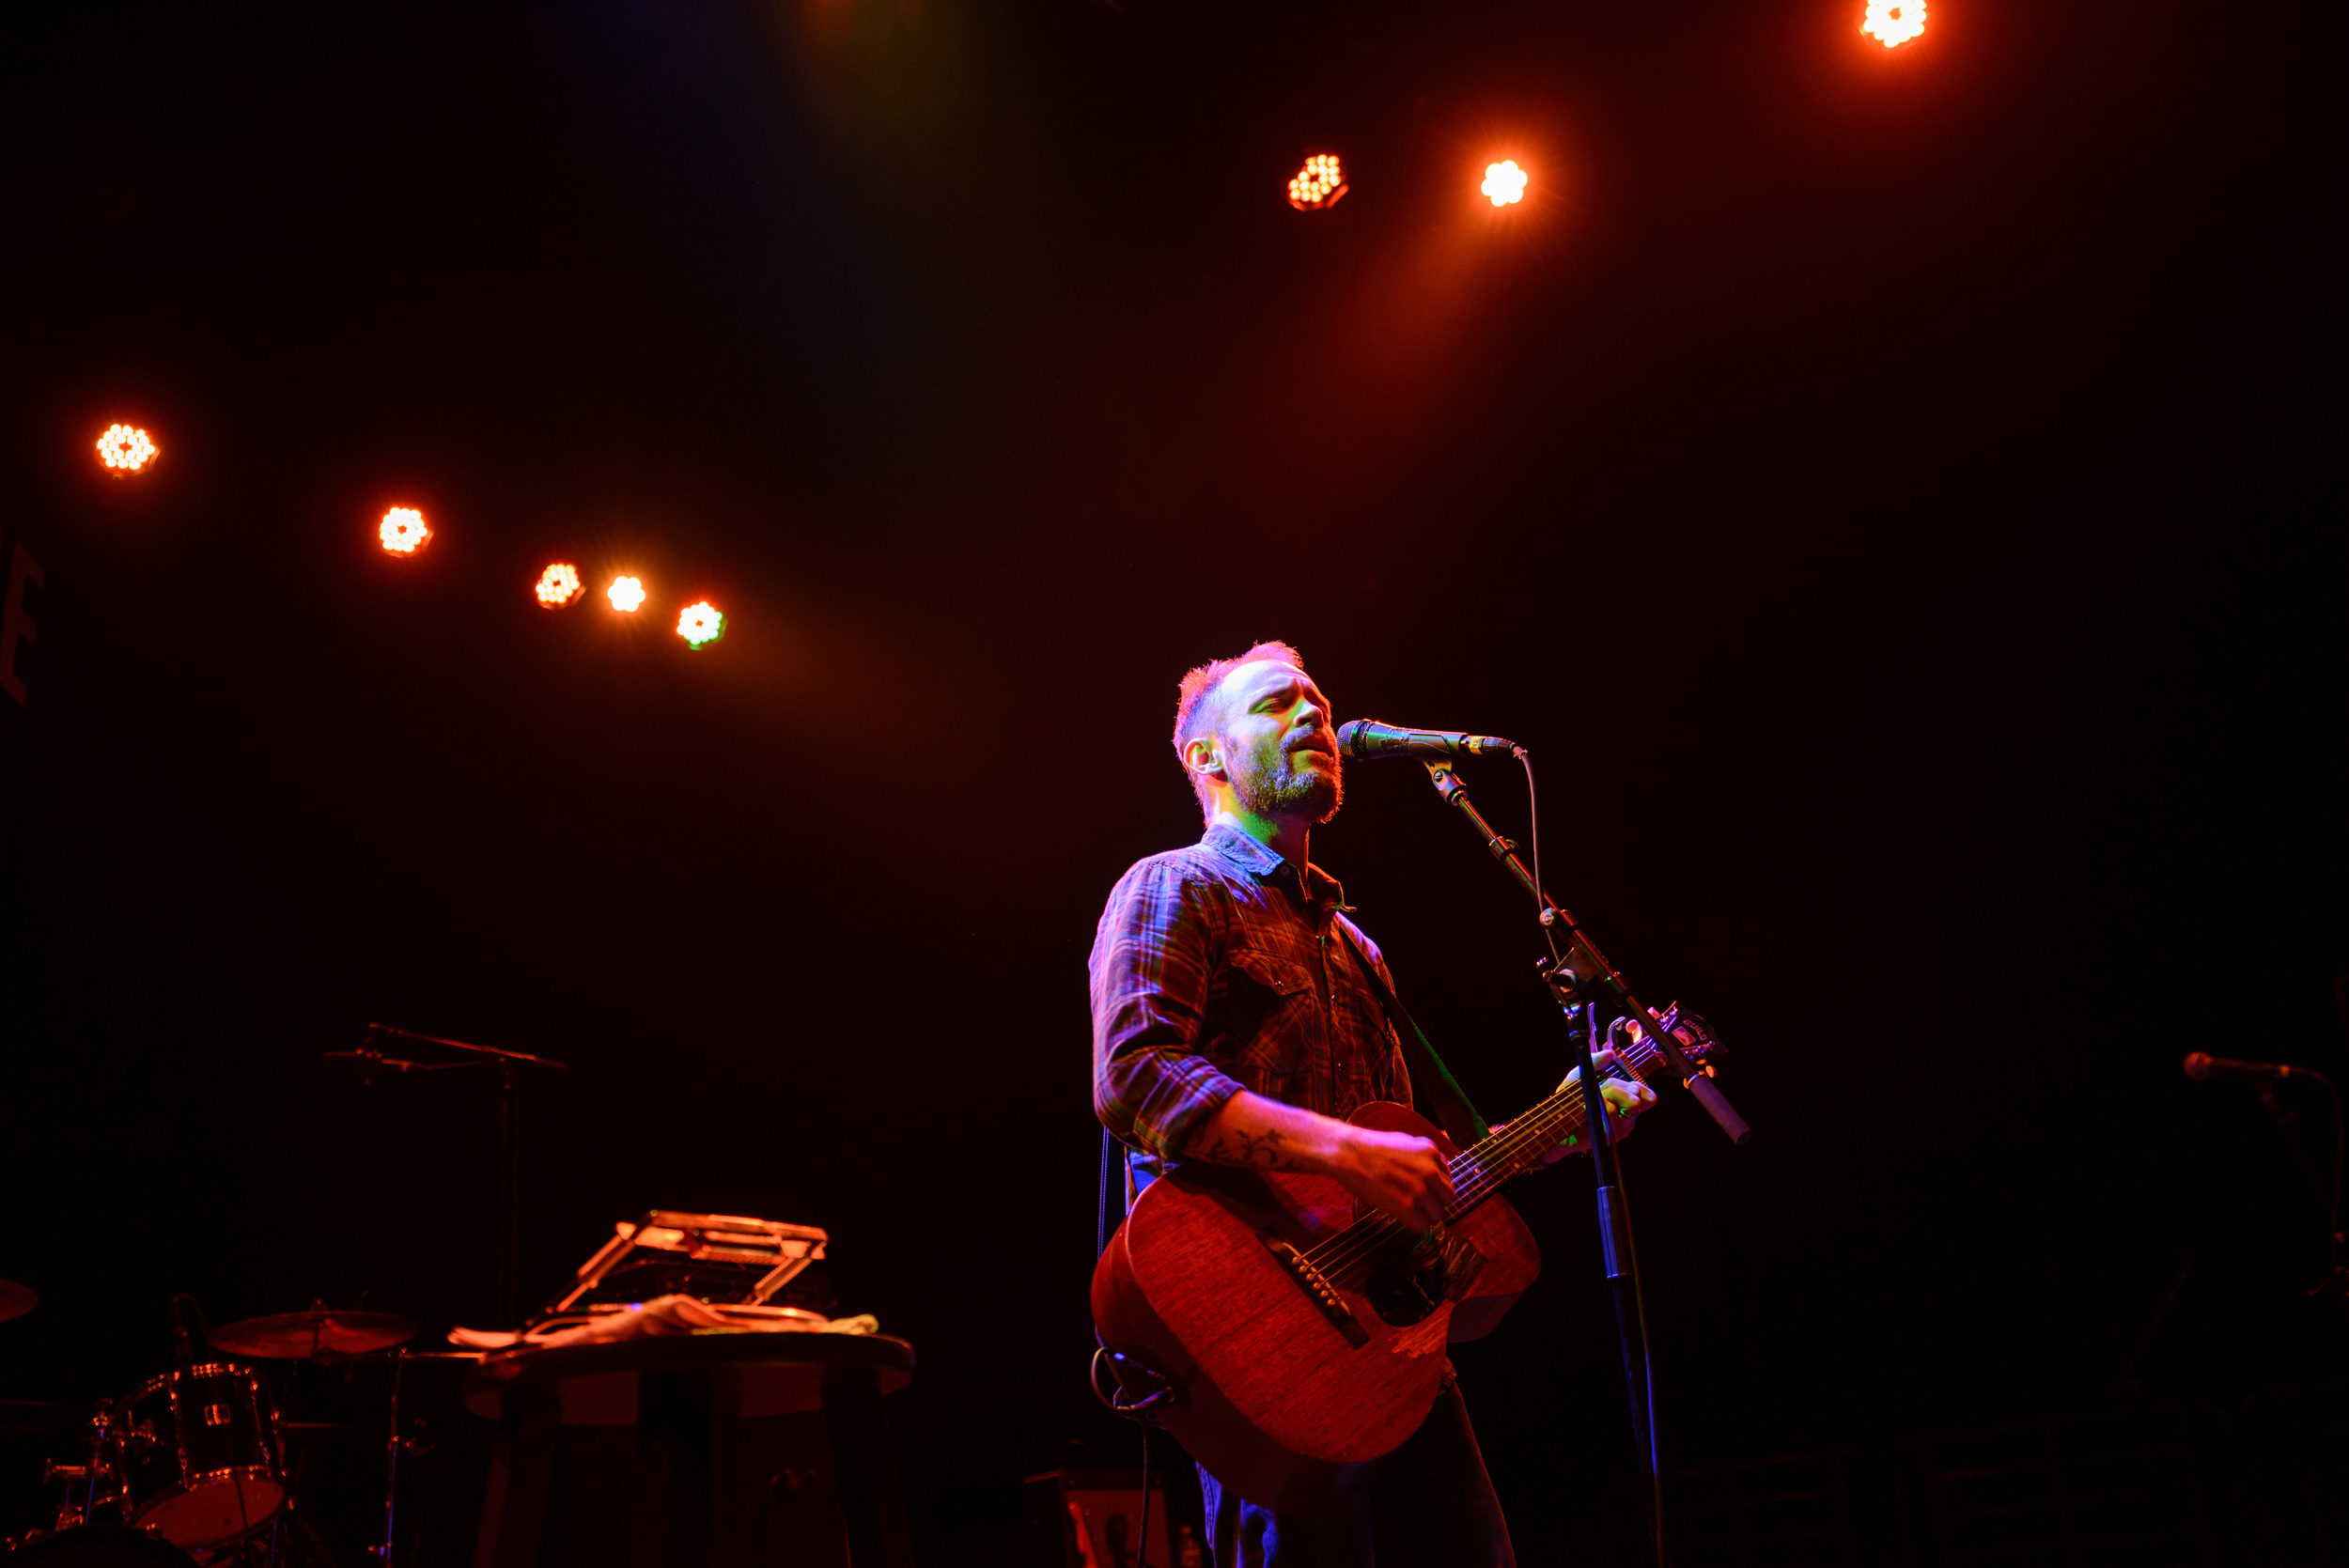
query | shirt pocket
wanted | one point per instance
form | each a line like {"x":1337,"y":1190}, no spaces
{"x":1270,"y":1001}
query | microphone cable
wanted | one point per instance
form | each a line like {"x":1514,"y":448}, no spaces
{"x":1541,"y":888}
{"x":1101,"y":1207}
{"x":1110,"y":1152}
{"x":1638,"y":1297}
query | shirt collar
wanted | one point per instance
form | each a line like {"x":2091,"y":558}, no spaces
{"x":1258,"y":859}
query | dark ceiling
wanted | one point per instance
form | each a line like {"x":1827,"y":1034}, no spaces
{"x":1885,"y":491}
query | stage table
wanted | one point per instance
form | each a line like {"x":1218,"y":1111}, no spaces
{"x":717,"y":1450}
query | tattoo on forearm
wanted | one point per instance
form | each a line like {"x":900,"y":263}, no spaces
{"x":1239,"y":1147}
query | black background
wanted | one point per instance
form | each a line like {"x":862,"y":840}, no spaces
{"x":1895,"y":495}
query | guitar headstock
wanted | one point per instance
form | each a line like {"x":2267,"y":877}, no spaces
{"x":1694,"y":1036}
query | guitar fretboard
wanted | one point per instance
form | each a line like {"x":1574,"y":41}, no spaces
{"x":1478,"y":1173}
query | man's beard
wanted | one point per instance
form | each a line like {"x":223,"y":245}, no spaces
{"x":1275,"y":786}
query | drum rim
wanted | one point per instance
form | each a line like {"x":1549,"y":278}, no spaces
{"x":267,"y":1472}
{"x":189,"y":1485}
{"x":161,"y":1382}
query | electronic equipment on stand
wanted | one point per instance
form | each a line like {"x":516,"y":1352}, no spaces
{"x":722,"y":1259}
{"x":676,"y":1368}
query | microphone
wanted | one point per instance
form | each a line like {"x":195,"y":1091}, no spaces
{"x":1368,"y":738}
{"x":2202,"y":1064}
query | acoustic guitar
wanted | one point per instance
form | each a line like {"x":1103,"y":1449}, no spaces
{"x":1290,"y":1342}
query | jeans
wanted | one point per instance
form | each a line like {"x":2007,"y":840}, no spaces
{"x":1431,"y":1506}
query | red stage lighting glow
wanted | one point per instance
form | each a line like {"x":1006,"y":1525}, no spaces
{"x":701,"y":623}
{"x":403,"y":532}
{"x":125,"y":450}
{"x":1318,"y":186}
{"x":1893,"y":22}
{"x":626,"y":593}
{"x":559,"y":585}
{"x":1505,"y":182}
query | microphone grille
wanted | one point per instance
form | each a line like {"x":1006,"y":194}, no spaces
{"x":2196,"y":1064}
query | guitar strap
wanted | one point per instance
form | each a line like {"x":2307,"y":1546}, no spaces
{"x":1430,"y":1078}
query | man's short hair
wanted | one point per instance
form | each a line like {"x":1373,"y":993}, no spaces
{"x":1195,"y":714}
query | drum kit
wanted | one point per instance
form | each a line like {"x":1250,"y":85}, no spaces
{"x":200,"y":1465}
{"x":192,"y":1467}
{"x":193,"y":1464}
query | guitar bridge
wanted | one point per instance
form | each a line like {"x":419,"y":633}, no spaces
{"x":1317,"y":1285}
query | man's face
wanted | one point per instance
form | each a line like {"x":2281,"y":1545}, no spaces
{"x":1280,"y":750}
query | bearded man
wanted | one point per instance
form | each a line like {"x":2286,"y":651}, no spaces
{"x":1233,"y":1023}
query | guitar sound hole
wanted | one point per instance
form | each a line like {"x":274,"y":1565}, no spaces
{"x":1402,"y":1295}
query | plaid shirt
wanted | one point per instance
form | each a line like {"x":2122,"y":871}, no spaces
{"x":1218,"y":968}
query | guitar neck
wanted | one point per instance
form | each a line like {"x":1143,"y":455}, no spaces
{"x":1482,"y":1171}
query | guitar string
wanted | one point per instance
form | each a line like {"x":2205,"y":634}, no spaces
{"x":1529,"y":1131}
{"x":1480,"y":1170}
{"x":1472,"y":1172}
{"x":1476,"y":1171}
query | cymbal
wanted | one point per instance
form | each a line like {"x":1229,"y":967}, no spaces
{"x":19,"y":1416}
{"x":15,"y":1300}
{"x":306,"y":1336}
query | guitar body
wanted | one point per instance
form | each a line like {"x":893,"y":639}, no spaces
{"x":1276,"y":1400}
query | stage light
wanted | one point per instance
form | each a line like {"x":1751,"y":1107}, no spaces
{"x":1505,"y":182}
{"x":1318,"y":186}
{"x":559,"y":585}
{"x":1893,"y":22}
{"x":701,"y":623}
{"x":626,"y":593}
{"x":125,"y":450}
{"x":402,"y":531}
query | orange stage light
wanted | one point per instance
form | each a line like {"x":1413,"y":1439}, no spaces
{"x":559,"y":585}
{"x":125,"y":450}
{"x":626,"y":593}
{"x":402,"y":531}
{"x":1318,"y":186}
{"x":701,"y":623}
{"x":1505,"y":182}
{"x":1894,"y":21}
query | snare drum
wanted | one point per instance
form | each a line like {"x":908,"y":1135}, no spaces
{"x":199,"y":1455}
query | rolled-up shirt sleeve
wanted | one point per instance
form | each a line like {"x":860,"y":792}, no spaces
{"x":1152,"y":968}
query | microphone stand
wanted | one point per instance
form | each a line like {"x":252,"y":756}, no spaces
{"x":369,"y":1059}
{"x":1585,"y":969}
{"x":1579,"y":981}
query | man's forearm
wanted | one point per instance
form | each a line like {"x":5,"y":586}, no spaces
{"x":1249,"y":1129}
{"x":1393,"y":1173}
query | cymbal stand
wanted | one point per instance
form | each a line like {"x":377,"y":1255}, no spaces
{"x":1579,"y":979}
{"x":90,"y":1475}
{"x":391,"y":1466}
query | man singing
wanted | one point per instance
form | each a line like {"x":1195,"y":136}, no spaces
{"x":1233,"y":1024}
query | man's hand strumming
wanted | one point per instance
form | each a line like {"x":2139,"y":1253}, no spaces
{"x":1391,"y":1172}
{"x":1395,"y":1173}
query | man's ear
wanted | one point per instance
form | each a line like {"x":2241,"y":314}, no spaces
{"x":1202,"y":756}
